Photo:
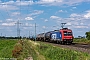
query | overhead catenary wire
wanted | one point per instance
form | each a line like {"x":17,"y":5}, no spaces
{"x":80,"y":13}
{"x":6,"y":9}
{"x":28,"y":7}
{"x":2,"y":15}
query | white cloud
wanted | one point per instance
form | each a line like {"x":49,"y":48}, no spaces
{"x":50,"y":1}
{"x":87,"y":16}
{"x":37,"y":12}
{"x":45,"y":2}
{"x":80,"y":27}
{"x":30,"y":25}
{"x":75,"y":20}
{"x":29,"y":18}
{"x":21,"y":3}
{"x":15,"y":13}
{"x":17,"y":2}
{"x":25,"y":28}
{"x":61,"y":2}
{"x":46,"y":20}
{"x":75,"y":15}
{"x":26,"y":24}
{"x":88,"y":11}
{"x":62,"y":11}
{"x":8,"y":24}
{"x":0,"y":20}
{"x":70,"y":18}
{"x":8,"y":7}
{"x":44,"y":27}
{"x":54,"y":17}
{"x":9,"y":2}
{"x":8,"y":20}
{"x":68,"y":23}
{"x":74,"y":7}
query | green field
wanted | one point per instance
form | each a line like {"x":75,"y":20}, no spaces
{"x":6,"y":47}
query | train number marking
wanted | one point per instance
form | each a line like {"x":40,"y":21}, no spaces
{"x":54,"y":36}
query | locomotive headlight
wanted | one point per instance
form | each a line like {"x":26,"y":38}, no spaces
{"x":71,"y":38}
{"x":64,"y":38}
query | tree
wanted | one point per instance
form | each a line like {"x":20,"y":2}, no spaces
{"x":87,"y":35}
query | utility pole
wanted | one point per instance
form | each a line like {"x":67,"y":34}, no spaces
{"x":1,"y":34}
{"x":29,"y":34}
{"x":18,"y":29}
{"x":35,"y":31}
{"x":62,"y":25}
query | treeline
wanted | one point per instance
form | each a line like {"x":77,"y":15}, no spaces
{"x":87,"y":35}
{"x":3,"y":37}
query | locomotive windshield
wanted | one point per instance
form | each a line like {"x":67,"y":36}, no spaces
{"x":66,"y":33}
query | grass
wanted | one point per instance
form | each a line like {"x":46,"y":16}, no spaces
{"x":42,"y":51}
{"x":55,"y":53}
{"x":6,"y":47}
{"x":81,"y":40}
{"x":28,"y":51}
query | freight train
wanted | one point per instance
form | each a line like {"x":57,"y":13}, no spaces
{"x":62,"y":36}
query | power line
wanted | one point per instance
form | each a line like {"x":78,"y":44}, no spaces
{"x":2,"y":15}
{"x":28,"y":7}
{"x":6,"y":9}
{"x":18,"y":29}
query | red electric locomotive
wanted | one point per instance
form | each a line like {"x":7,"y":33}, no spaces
{"x":67,"y":35}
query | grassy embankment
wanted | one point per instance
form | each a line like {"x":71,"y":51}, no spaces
{"x":6,"y":47}
{"x":81,"y":40}
{"x":42,"y":51}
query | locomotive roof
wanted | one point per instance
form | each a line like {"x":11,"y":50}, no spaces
{"x":65,"y":29}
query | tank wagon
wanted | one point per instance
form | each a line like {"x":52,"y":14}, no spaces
{"x":64,"y":35}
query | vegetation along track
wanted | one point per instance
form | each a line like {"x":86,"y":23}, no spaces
{"x":75,"y":46}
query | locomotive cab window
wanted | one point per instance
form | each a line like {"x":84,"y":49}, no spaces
{"x":70,"y":33}
{"x":67,"y":33}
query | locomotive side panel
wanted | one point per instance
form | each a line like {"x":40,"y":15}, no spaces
{"x":56,"y":36}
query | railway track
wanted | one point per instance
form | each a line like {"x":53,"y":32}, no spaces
{"x":74,"y":46}
{"x":86,"y":46}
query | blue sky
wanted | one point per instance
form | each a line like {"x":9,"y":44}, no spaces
{"x":47,"y":14}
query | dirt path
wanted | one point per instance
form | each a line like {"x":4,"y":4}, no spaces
{"x":31,"y":47}
{"x":28,"y":58}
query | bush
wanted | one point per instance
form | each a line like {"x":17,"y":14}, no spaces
{"x":17,"y":50}
{"x":88,"y":35}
